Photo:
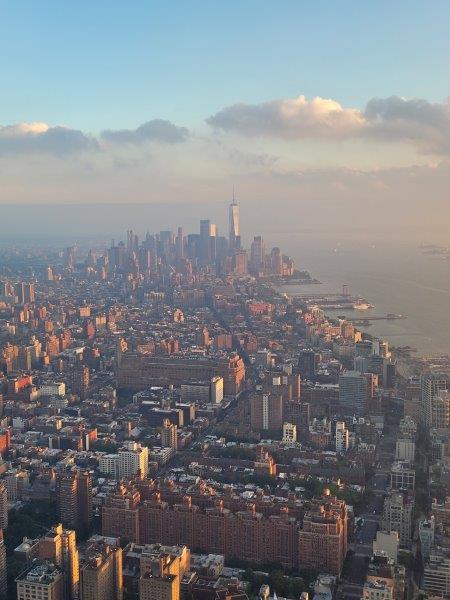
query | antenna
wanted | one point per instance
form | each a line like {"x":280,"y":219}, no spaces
{"x":234,"y":198}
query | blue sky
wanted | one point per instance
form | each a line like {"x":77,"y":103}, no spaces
{"x":98,"y":64}
{"x":303,"y":104}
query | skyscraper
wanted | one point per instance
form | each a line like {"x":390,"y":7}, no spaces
{"x":208,"y":235}
{"x":180,"y":243}
{"x":341,"y":437}
{"x":3,"y":572}
{"x":25,"y":293}
{"x":431,"y":385}
{"x":169,"y":435}
{"x":234,"y":226}
{"x":3,"y":506}
{"x":74,"y":497}
{"x":59,"y":546}
{"x":101,"y":570}
{"x":323,"y":539}
{"x":161,"y":570}
{"x":353,"y":391}
{"x":257,"y":253}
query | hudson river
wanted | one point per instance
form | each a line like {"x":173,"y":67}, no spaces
{"x":396,"y":277}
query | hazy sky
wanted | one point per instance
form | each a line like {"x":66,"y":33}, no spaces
{"x":334,"y":111}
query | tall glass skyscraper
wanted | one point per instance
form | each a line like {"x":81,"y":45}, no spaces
{"x":235,"y":229}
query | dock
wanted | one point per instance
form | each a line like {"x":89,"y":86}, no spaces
{"x":388,"y":317}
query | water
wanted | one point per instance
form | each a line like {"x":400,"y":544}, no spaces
{"x":394,"y":276}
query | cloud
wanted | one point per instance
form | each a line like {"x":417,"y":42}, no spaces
{"x":40,"y":138}
{"x":290,"y":119}
{"x":418,"y":122}
{"x":158,"y":130}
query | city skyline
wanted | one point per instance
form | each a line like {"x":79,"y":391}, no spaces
{"x":224,"y":290}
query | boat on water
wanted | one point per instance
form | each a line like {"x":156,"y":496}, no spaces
{"x":362,"y":304}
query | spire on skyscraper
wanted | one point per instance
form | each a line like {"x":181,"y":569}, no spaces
{"x":234,"y":224}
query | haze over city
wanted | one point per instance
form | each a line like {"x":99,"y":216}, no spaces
{"x":224,"y":292}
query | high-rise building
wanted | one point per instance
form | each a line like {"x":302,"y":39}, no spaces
{"x":161,"y":571}
{"x":180,"y":244}
{"x":342,"y":441}
{"x":133,"y":458}
{"x":397,"y":515}
{"x":69,"y":255}
{"x":74,"y":497}
{"x":234,"y":226}
{"x":289,"y":433}
{"x":25,"y":293}
{"x":431,"y":385}
{"x":235,"y":534}
{"x":59,"y":546}
{"x":426,"y":536}
{"x":436,"y":573}
{"x":130,"y":460}
{"x":169,"y":435}
{"x":239,"y":262}
{"x":208,"y":233}
{"x":276,"y":261}
{"x":307,"y":364}
{"x":257,"y":255}
{"x":266,"y":411}
{"x":3,"y":568}
{"x":405,"y":449}
{"x":120,"y":513}
{"x":323,"y":539}
{"x":43,"y":581}
{"x":79,"y":380}
{"x":3,"y":506}
{"x":440,"y":410}
{"x":101,"y":570}
{"x":353,"y":391}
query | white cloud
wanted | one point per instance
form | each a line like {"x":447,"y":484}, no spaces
{"x":40,"y":138}
{"x":37,"y":138}
{"x":290,"y":119}
{"x":158,"y":130}
{"x":423,"y":124}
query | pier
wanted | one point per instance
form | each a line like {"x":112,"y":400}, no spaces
{"x":388,"y":317}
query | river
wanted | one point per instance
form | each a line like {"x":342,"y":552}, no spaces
{"x":397,"y":277}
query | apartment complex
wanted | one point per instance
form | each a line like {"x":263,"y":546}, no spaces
{"x":140,"y":371}
{"x":323,"y":538}
{"x":74,"y":497}
{"x":397,"y":515}
{"x":161,"y":571}
{"x":131,"y":459}
{"x":59,"y":547}
{"x":255,"y":531}
{"x":101,"y":570}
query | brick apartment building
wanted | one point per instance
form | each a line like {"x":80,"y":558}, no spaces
{"x":139,"y":371}
{"x":258,"y":531}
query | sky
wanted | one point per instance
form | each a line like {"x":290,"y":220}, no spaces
{"x":319,"y":111}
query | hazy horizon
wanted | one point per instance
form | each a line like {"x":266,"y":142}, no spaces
{"x":70,"y":222}
{"x":172,"y":105}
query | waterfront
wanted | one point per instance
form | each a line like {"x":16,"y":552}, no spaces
{"x":395,"y":277}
